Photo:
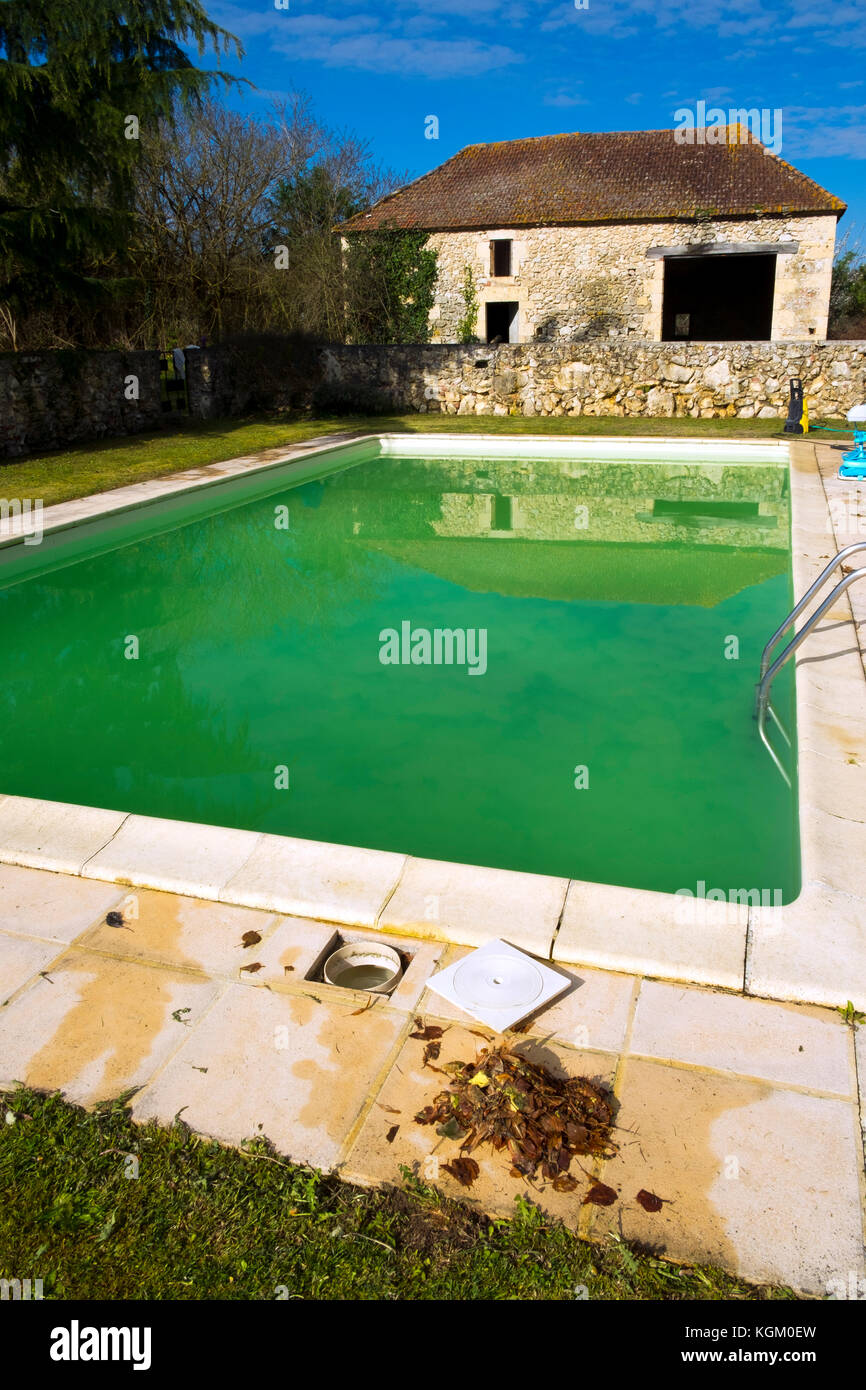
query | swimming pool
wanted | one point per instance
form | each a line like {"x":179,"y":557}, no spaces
{"x":538,"y":658}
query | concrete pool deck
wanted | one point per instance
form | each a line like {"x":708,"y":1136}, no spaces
{"x":743,"y":1115}
{"x":812,"y":950}
{"x":742,"y":1112}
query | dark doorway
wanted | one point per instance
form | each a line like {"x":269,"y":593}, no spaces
{"x":718,"y":298}
{"x":502,"y":321}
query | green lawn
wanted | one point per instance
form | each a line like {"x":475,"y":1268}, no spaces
{"x":203,"y":1222}
{"x":88,"y":468}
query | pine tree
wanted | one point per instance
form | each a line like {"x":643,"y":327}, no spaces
{"x":79,"y":79}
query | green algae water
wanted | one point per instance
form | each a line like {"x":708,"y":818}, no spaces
{"x":529,"y":664}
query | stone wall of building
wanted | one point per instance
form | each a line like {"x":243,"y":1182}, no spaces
{"x":575,"y":283}
{"x":49,"y":400}
{"x":609,"y":377}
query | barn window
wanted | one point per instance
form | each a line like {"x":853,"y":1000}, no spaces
{"x":500,"y":257}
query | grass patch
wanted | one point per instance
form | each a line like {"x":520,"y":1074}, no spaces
{"x":96,"y":467}
{"x":204,"y":1222}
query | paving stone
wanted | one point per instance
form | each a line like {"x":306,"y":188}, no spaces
{"x":289,"y":952}
{"x":759,"y":1180}
{"x":188,"y":933}
{"x":792,"y":1045}
{"x":21,"y":959}
{"x":56,"y":907}
{"x":276,"y":1065}
{"x":410,"y":1086}
{"x":298,"y":948}
{"x":98,"y":1026}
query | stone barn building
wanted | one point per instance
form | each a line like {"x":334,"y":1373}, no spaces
{"x":576,"y":236}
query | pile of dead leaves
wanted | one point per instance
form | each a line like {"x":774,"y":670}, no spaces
{"x":504,"y":1100}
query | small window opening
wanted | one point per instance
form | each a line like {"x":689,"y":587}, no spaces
{"x":500,"y":257}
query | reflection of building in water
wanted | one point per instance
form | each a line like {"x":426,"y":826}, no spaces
{"x":729,"y":504}
{"x":644,"y":532}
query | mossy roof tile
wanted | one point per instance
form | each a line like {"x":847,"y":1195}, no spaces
{"x":626,"y":176}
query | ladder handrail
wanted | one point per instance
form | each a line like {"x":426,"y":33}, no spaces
{"x":762,"y":691}
{"x":807,"y":597}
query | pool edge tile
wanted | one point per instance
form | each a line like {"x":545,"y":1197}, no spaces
{"x":639,"y":932}
{"x":345,"y":884}
{"x":468,"y":905}
{"x":54,"y":835}
{"x":811,"y":951}
{"x":151,"y":852}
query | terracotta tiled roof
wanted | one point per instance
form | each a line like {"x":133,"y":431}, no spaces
{"x":630,"y":176}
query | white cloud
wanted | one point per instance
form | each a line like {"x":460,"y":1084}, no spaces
{"x":378,"y":51}
{"x":823,"y":132}
{"x":565,"y":97}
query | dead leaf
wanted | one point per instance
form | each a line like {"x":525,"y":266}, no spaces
{"x":564,"y":1182}
{"x":465,"y":1170}
{"x":431,"y":1052}
{"x":426,"y":1034}
{"x":369,"y":1004}
{"x":450,"y":1130}
{"x":392,"y":1133}
{"x":390,"y":1108}
{"x":540,"y":1120}
{"x":649,"y":1201}
{"x":600,"y":1195}
{"x":250,"y":938}
{"x":251,"y":969}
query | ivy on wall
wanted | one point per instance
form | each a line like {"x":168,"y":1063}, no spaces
{"x":391,"y":277}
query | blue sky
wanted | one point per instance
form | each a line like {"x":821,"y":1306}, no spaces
{"x":500,"y":69}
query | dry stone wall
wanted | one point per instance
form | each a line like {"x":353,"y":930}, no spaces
{"x":52,"y":399}
{"x":613,"y":377}
{"x":49,"y":400}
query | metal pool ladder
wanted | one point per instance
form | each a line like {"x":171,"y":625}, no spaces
{"x":769,"y":670}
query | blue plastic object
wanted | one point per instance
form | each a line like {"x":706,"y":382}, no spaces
{"x":854,"y":462}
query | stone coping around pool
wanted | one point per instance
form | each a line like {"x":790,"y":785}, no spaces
{"x":811,"y":951}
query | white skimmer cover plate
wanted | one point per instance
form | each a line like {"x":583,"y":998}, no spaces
{"x":498,"y":985}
